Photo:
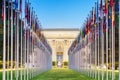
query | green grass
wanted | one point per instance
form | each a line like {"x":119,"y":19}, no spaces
{"x":61,"y":74}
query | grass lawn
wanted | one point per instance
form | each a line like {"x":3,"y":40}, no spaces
{"x":61,"y":74}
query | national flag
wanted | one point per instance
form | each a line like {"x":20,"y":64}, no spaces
{"x":111,"y":3}
{"x":91,"y":19}
{"x":83,"y":32}
{"x":104,"y":24}
{"x":87,"y":27}
{"x":29,"y":13}
{"x":3,"y":10}
{"x":109,"y":16}
{"x":101,"y":9}
{"x":16,"y":4}
{"x":106,"y":7}
{"x":21,"y":6}
{"x":95,"y":17}
{"x":75,"y":42}
{"x":101,"y":5}
{"x":113,"y":16}
{"x":79,"y":37}
{"x":97,"y":12}
{"x":26,"y":7}
{"x":27,"y":33}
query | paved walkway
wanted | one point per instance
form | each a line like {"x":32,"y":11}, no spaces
{"x":61,"y":74}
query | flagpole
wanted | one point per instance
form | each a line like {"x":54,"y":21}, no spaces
{"x":119,"y":38}
{"x":102,"y":42}
{"x":17,"y":46}
{"x":11,"y":41}
{"x":98,"y":51}
{"x":21,"y":46}
{"x":113,"y":46}
{"x":15,"y":57}
{"x":107,"y":45}
{"x":8,"y":41}
{"x":21,"y":30}
{"x":25,"y":53}
{"x":4,"y":40}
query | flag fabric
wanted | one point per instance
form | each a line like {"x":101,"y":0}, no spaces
{"x":109,"y":17}
{"x":106,"y":7}
{"x":87,"y":27}
{"x":111,"y":3}
{"x":97,"y":12}
{"x":104,"y":24}
{"x":95,"y":17}
{"x":21,"y":6}
{"x":2,"y":10}
{"x":83,"y":32}
{"x":16,"y":4}
{"x":75,"y":43}
{"x":101,"y":9}
{"x":113,"y":16}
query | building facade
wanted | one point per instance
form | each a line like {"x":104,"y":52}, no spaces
{"x":60,"y":41}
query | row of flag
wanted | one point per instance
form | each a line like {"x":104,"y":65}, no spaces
{"x":31,"y":21}
{"x":96,"y":22}
{"x":95,"y":50}
{"x":34,"y":24}
{"x":21,"y":36}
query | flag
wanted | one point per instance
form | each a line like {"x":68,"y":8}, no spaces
{"x":78,"y":39}
{"x":104,"y":24}
{"x":27,"y":33}
{"x":106,"y":7}
{"x":111,"y":3}
{"x":109,"y":17}
{"x":21,"y":6}
{"x":101,"y":5}
{"x":29,"y":13}
{"x":113,"y":16}
{"x":101,"y":9}
{"x":75,"y":42}
{"x":16,"y":4}
{"x":87,"y":27}
{"x":83,"y":32}
{"x":95,"y":17}
{"x":97,"y":12}
{"x":2,"y":10}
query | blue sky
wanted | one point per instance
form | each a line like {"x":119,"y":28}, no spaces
{"x":62,"y":13}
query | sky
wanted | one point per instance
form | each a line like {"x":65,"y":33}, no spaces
{"x":62,"y":13}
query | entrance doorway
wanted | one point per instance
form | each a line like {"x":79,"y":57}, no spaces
{"x":59,"y":59}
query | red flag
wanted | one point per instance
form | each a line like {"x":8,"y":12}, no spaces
{"x":111,"y":3}
{"x":106,"y":7}
{"x":104,"y":24}
{"x":75,"y":43}
{"x":87,"y":27}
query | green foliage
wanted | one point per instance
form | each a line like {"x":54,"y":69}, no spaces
{"x":53,"y":63}
{"x":65,"y":63}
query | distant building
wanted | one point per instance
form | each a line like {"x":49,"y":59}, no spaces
{"x":60,"y":41}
